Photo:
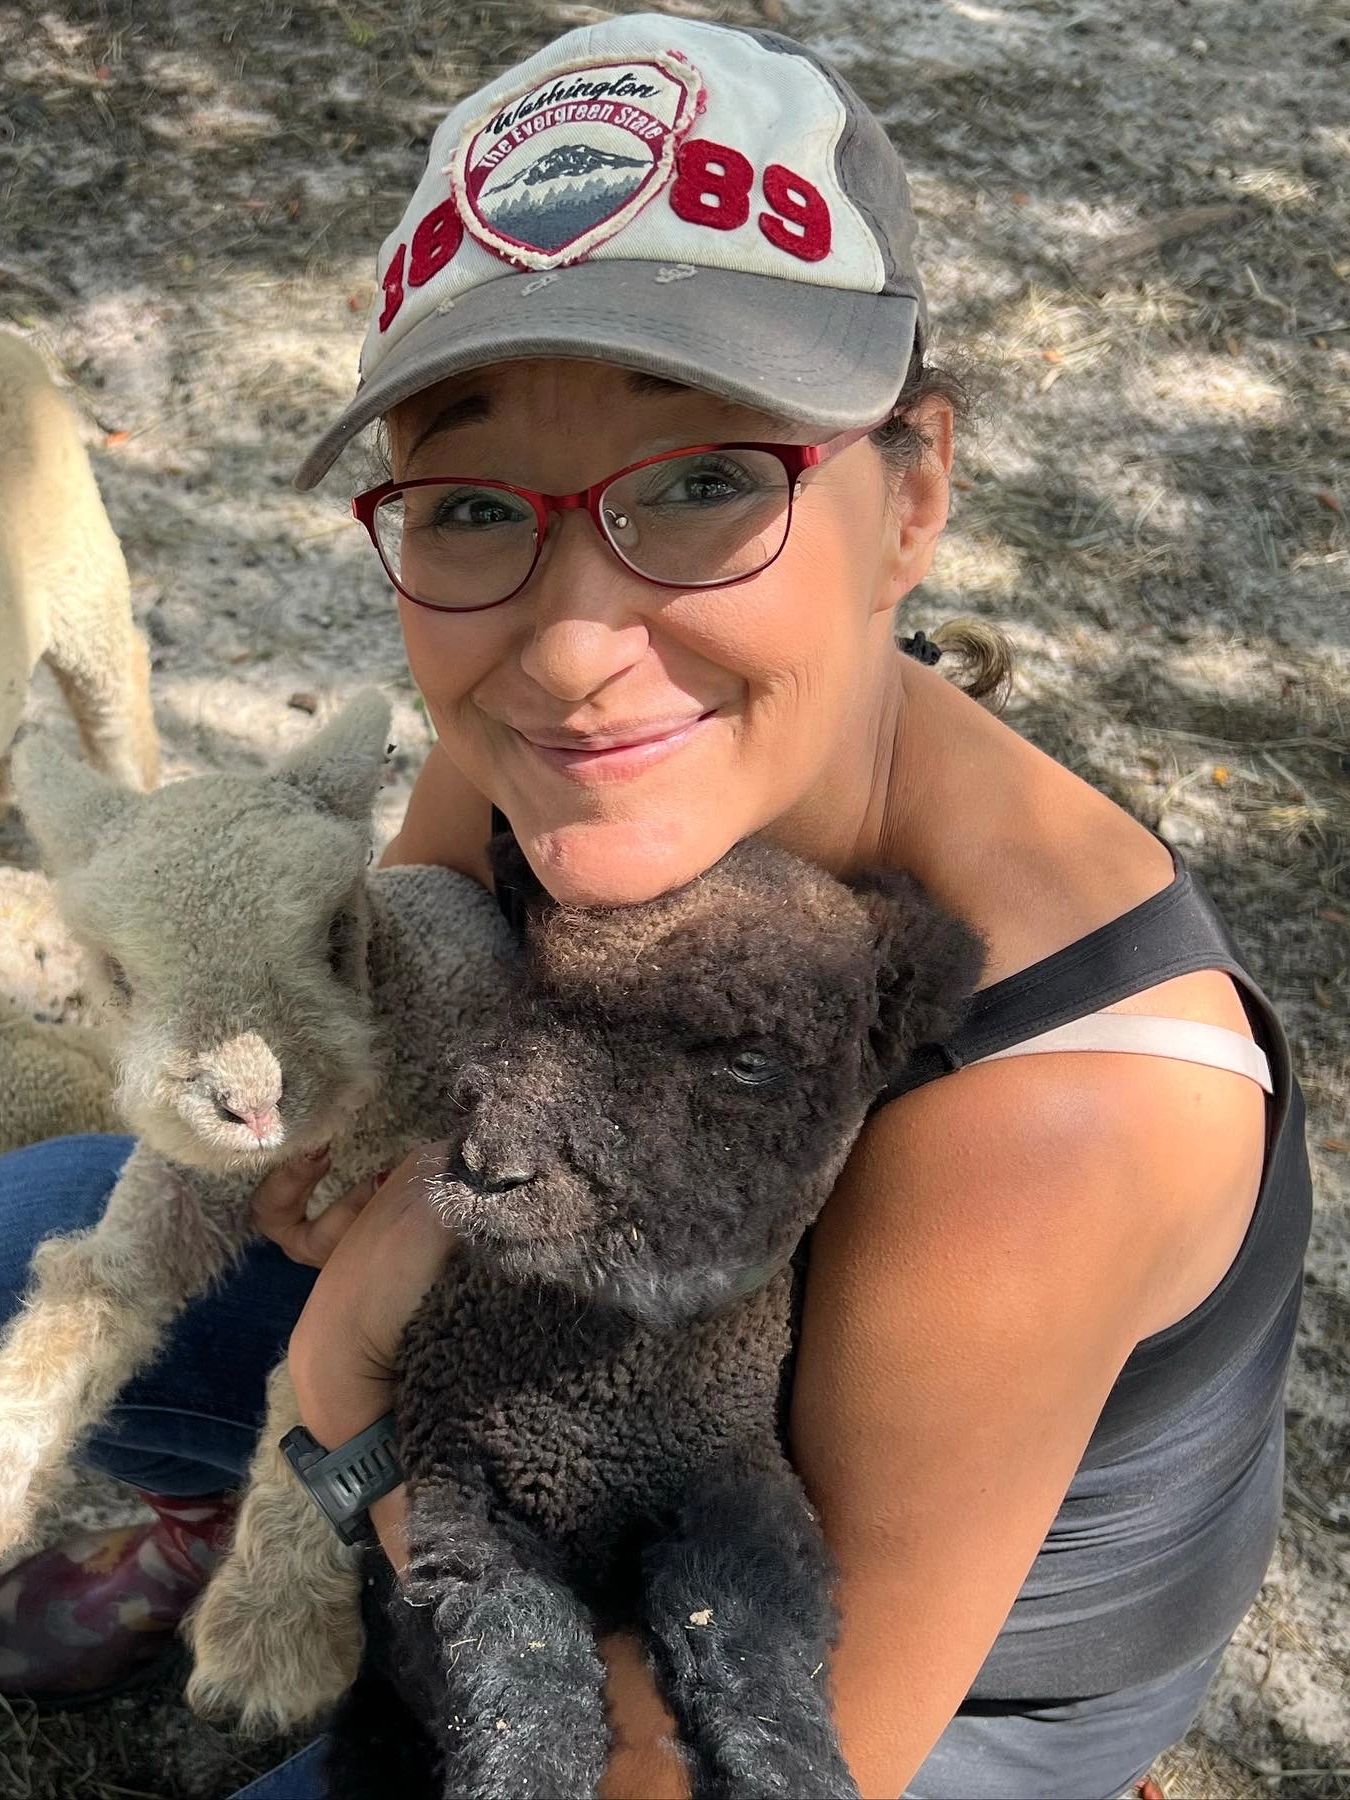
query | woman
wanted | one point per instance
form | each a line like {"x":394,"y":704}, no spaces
{"x":1051,"y":1303}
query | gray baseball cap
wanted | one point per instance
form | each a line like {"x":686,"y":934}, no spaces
{"x":702,"y":202}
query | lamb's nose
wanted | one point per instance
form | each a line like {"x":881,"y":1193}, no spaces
{"x":262,"y":1121}
{"x":483,"y":1175}
{"x":243,"y":1080}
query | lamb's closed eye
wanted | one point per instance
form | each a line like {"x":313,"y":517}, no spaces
{"x":118,"y":979}
{"x":342,"y":935}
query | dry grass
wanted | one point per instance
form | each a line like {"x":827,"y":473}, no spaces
{"x":141,"y":1748}
{"x":1137,"y":229}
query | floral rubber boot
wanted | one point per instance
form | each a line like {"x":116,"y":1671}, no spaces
{"x":99,"y":1612}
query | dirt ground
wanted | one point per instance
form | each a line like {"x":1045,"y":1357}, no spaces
{"x":1141,"y":236}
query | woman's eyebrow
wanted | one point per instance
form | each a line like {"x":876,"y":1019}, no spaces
{"x":469,"y":409}
{"x":475,"y":408}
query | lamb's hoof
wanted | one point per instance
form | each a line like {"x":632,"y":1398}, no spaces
{"x":269,"y":1663}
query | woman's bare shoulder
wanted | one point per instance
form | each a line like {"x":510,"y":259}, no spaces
{"x":448,"y":821}
{"x":1093,"y":1183}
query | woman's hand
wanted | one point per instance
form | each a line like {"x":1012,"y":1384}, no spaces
{"x":378,"y":1250}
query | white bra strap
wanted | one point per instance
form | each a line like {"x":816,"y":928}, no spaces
{"x":1185,"y":1040}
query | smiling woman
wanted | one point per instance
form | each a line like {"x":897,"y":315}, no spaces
{"x":549,"y":700}
{"x":651,"y":354}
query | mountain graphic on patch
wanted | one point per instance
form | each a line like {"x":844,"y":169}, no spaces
{"x":562,"y":194}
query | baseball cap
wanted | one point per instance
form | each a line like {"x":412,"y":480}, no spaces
{"x":709,"y":203}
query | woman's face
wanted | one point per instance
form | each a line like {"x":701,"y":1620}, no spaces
{"x":633,"y":733}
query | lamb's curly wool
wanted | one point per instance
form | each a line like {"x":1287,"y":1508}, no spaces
{"x":591,"y":1403}
{"x":54,"y":1079}
{"x":267,"y":994}
{"x":64,"y":591}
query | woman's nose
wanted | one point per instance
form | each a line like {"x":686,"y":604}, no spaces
{"x":585,"y":611}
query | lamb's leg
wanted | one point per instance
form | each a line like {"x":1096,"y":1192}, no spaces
{"x":276,"y":1637}
{"x":521,"y":1703}
{"x":103,"y":669}
{"x":96,"y":1312}
{"x":737,"y":1604}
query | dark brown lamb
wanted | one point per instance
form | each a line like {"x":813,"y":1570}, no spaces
{"x":592,"y":1403}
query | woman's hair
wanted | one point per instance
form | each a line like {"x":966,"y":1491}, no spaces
{"x":982,"y":652}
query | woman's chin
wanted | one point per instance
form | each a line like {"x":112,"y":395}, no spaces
{"x":623,"y":862}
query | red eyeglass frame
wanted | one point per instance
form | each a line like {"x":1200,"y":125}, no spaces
{"x":796,"y":459}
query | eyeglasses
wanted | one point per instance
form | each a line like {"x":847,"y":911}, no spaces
{"x":708,"y":516}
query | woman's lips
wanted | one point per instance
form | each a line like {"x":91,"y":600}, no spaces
{"x":608,"y":758}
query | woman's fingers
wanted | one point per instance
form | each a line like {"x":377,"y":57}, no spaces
{"x":313,"y":1241}
{"x":345,"y":1343}
{"x":280,"y":1202}
{"x":280,"y":1199}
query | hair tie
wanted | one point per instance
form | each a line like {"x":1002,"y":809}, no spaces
{"x":922,"y":648}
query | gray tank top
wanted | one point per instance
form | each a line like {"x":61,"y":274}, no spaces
{"x":1163,"y":1537}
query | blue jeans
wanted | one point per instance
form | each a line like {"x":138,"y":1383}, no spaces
{"x":187,"y":1425}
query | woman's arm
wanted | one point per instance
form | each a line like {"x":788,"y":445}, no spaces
{"x":999,"y":1243}
{"x":341,"y":1359}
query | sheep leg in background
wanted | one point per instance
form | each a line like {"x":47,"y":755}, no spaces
{"x":13,"y":691}
{"x":739,"y":1615}
{"x":104,"y":674}
{"x":96,"y":1312}
{"x":276,"y":1637}
{"x":520,"y":1708}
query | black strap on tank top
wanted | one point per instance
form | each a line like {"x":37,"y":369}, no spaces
{"x":1175,"y":932}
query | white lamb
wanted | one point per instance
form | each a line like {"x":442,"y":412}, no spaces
{"x":54,"y":1079}
{"x":269,"y":995}
{"x":64,"y":593}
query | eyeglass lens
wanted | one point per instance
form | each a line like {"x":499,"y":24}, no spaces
{"x":698,"y":520}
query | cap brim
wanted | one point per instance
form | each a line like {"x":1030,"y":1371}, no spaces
{"x":827,"y":357}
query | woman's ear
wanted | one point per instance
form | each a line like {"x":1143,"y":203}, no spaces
{"x":920,"y":499}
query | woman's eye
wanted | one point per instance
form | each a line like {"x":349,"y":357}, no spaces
{"x":475,"y":511}
{"x":754,"y":1068}
{"x":118,"y":979}
{"x":712,"y":481}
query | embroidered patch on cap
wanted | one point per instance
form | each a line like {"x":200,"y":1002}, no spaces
{"x":561,"y":166}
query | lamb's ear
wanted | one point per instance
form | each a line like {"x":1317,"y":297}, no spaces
{"x":928,"y":962}
{"x":68,"y":807}
{"x":341,"y":767}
